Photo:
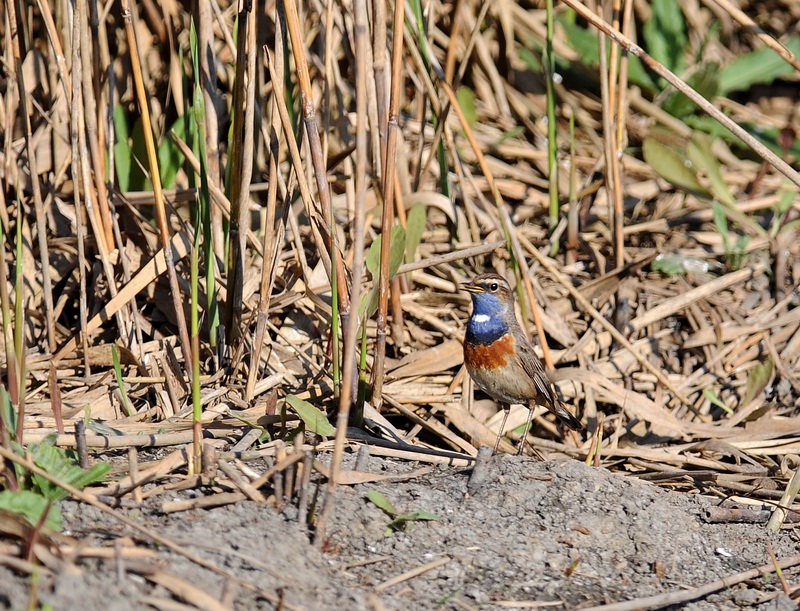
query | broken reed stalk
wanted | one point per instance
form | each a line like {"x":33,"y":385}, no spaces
{"x":608,"y":86}
{"x":30,"y":148}
{"x":351,"y":330}
{"x":631,"y":47}
{"x":315,"y":147}
{"x":155,"y":177}
{"x":387,"y":189}
{"x":241,"y":167}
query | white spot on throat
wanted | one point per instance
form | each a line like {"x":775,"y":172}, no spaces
{"x":480,"y":318}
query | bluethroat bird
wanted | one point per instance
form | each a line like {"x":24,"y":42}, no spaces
{"x":501,"y":360}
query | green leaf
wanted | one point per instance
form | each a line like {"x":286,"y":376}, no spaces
{"x":170,"y":157}
{"x":699,"y":152}
{"x":665,"y":34}
{"x":31,"y":506}
{"x":314,"y":419}
{"x":138,"y":180}
{"x":415,"y":225}
{"x":761,"y":67}
{"x":9,"y":414}
{"x":511,"y":134}
{"x":705,"y":81}
{"x":369,"y":303}
{"x":122,"y":150}
{"x":466,"y":100}
{"x":531,"y":60}
{"x":396,"y":251}
{"x":403,"y":522}
{"x":721,"y":223}
{"x":583,"y":40}
{"x":787,"y":197}
{"x":671,"y":264}
{"x":672,"y":166}
{"x":126,"y":406}
{"x":711,"y":396}
{"x":420,"y":516}
{"x":62,"y":466}
{"x":381,"y":502}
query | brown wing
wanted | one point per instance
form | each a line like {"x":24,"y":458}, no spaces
{"x":534,"y":368}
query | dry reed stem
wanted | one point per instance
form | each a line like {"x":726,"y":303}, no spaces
{"x":241,"y":166}
{"x":315,"y":149}
{"x":388,"y":192}
{"x":155,"y":177}
{"x":631,"y":47}
{"x":41,"y":221}
{"x":710,"y":331}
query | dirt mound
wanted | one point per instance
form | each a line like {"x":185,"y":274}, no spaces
{"x":533,"y":532}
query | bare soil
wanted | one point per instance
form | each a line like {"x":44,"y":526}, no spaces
{"x":556,"y":533}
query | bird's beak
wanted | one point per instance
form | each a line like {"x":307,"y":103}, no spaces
{"x":471,"y":288}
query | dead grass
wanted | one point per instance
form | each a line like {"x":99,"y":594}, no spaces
{"x":689,"y":380}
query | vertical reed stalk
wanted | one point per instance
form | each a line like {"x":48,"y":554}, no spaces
{"x":161,"y":212}
{"x":241,"y":165}
{"x":552,"y":131}
{"x":30,"y":148}
{"x":388,"y":203}
{"x":315,"y":146}
{"x":80,"y":226}
{"x":201,"y":228}
{"x":19,"y":325}
{"x":351,"y":331}
{"x":8,"y":334}
{"x":106,"y":233}
{"x":572,"y":216}
{"x":208,"y":79}
{"x":273,"y":238}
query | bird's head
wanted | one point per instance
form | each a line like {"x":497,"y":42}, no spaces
{"x":491,"y":295}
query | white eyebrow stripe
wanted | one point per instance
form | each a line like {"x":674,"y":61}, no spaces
{"x":480,"y":318}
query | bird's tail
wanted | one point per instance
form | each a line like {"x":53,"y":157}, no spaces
{"x":566,"y":418}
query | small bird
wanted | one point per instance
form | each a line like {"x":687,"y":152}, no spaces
{"x":500,"y":358}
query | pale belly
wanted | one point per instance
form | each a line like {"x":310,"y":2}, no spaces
{"x":506,"y":384}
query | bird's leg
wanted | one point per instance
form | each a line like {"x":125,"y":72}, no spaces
{"x":507,"y":409}
{"x":521,"y":448}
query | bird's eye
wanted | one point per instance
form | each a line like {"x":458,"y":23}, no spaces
{"x":493,"y":287}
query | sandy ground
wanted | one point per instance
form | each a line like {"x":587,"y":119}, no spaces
{"x":550,"y":534}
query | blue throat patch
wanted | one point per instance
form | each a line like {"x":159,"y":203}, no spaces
{"x":487,"y":323}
